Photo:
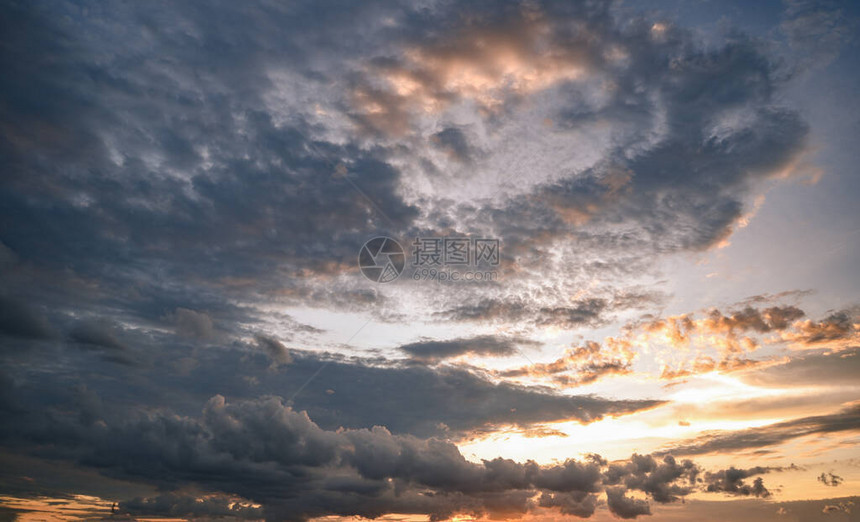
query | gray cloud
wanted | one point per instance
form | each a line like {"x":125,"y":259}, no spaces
{"x":268,"y":453}
{"x":586,"y":312}
{"x":847,"y":419}
{"x":731,"y":481}
{"x":829,"y":479}
{"x":773,"y":318}
{"x":190,"y":323}
{"x":126,"y":209}
{"x":664,"y":481}
{"x":104,"y":337}
{"x":454,"y":142}
{"x":818,"y":30}
{"x":835,"y":327}
{"x":17,"y":319}
{"x":175,"y":372}
{"x":276,"y":350}
{"x":421,"y":400}
{"x":183,"y":170}
{"x":623,"y":506}
{"x":815,"y":368}
{"x":229,"y":199}
{"x":188,"y":506}
{"x":100,"y":334}
{"x":434,"y":351}
{"x":579,"y":503}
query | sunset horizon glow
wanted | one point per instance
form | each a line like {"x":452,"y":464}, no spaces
{"x":430,"y":260}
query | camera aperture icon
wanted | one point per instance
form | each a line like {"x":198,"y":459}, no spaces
{"x":381,"y":259}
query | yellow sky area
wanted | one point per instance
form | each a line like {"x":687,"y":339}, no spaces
{"x":539,"y":515}
{"x":708,"y":404}
{"x":416,"y":518}
{"x":795,"y":483}
{"x":613,"y":438}
{"x":76,"y":507}
{"x":715,"y":388}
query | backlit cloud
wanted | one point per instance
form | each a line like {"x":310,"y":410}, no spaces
{"x":187,"y":188}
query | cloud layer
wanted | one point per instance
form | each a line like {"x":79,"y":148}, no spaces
{"x":186,"y":188}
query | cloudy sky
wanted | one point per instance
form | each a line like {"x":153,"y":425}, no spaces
{"x":620,"y":278}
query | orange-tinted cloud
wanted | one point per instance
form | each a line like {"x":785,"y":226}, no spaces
{"x":485,"y":64}
{"x":705,"y":364}
{"x":726,"y":331}
{"x":838,"y":330}
{"x":845,"y":420}
{"x":685,"y":345}
{"x":583,"y":364}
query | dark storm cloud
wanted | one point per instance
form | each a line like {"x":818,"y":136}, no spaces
{"x":412,"y":399}
{"x":262,"y":450}
{"x":104,"y":337}
{"x":846,"y":420}
{"x":98,"y":334}
{"x":623,"y":506}
{"x":268,"y":453}
{"x":188,"y":506}
{"x":731,"y":481}
{"x":175,"y":372}
{"x":664,"y":481}
{"x":145,"y":180}
{"x":579,"y":504}
{"x":17,"y":319}
{"x":167,"y":169}
{"x":227,"y":171}
{"x":434,"y":351}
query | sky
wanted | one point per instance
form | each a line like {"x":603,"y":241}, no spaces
{"x":430,"y":260}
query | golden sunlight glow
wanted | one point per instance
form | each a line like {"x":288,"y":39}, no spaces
{"x":713,"y":387}
{"x":51,"y":509}
{"x":613,"y":438}
{"x":646,"y":431}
